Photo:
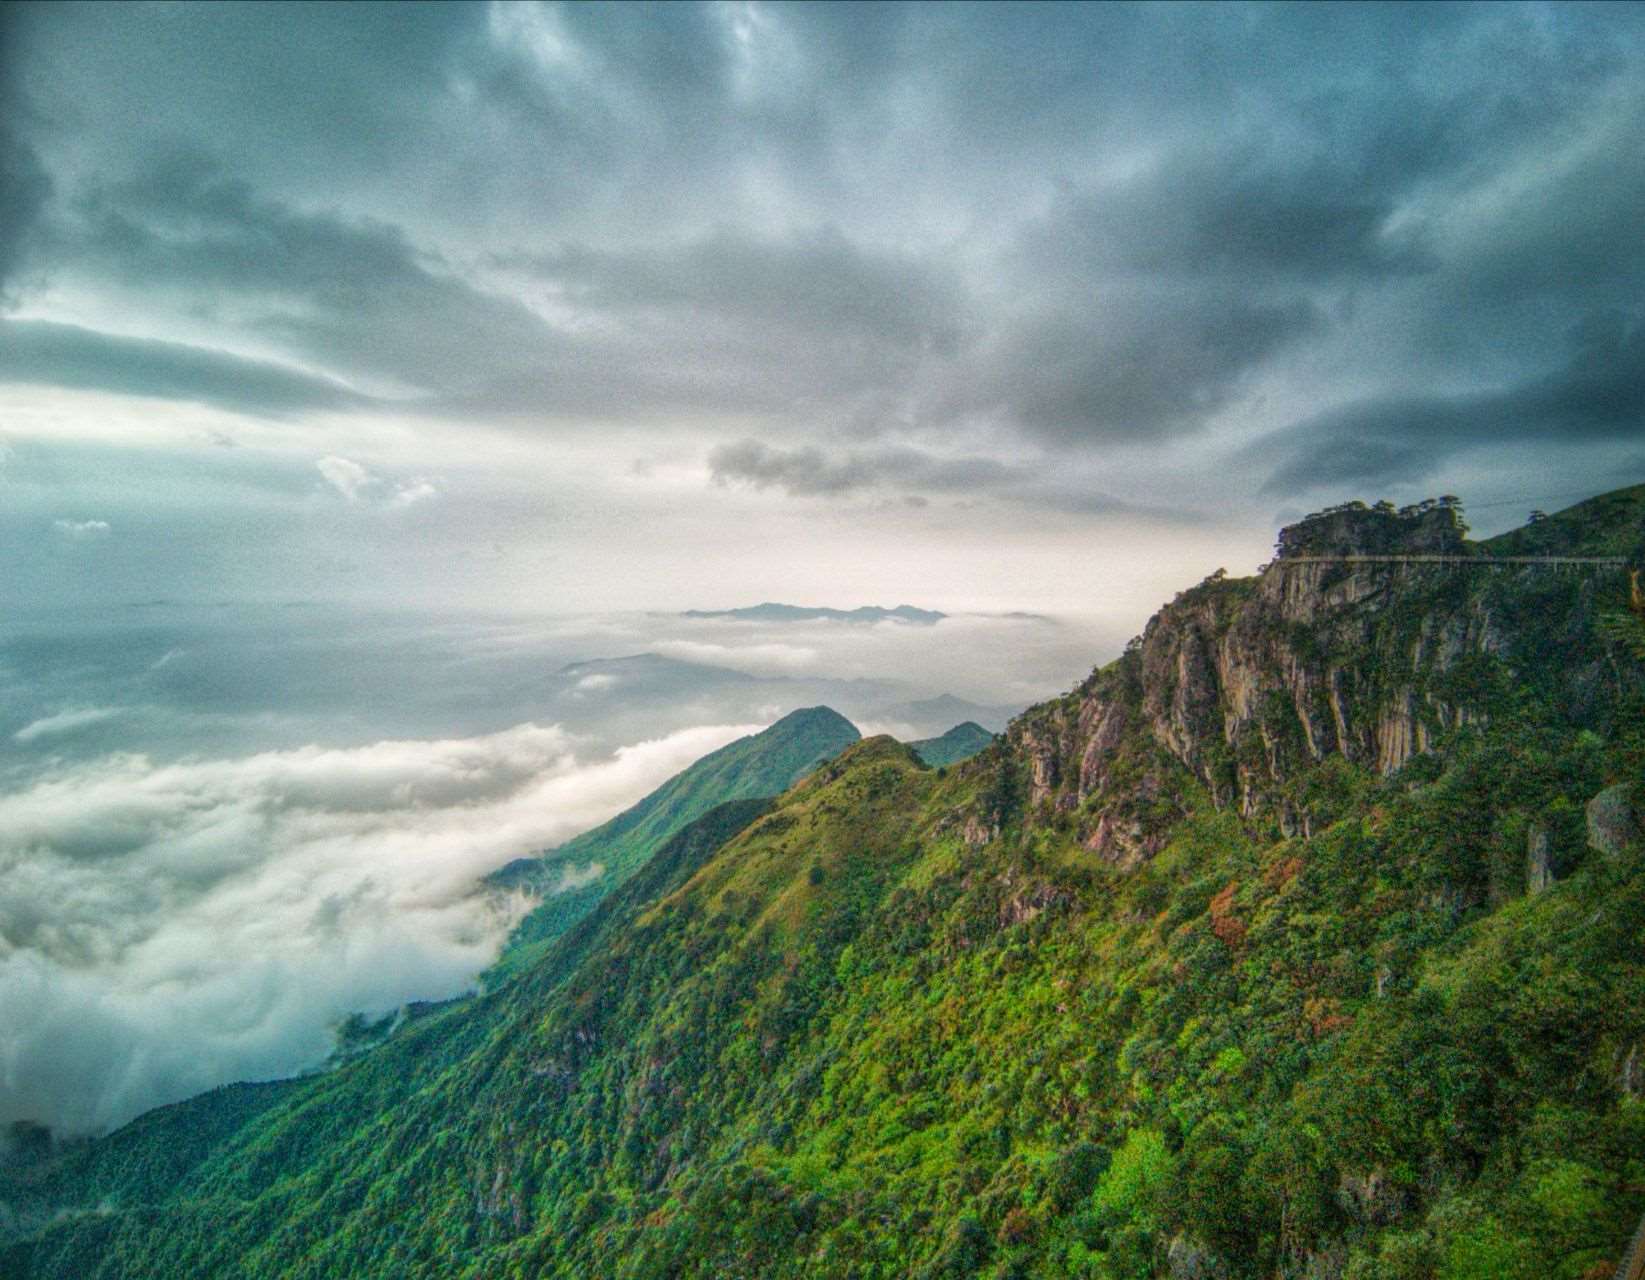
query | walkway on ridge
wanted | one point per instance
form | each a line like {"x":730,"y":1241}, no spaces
{"x":1632,"y":1266}
{"x":1617,"y":562}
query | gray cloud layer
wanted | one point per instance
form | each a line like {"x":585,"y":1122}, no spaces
{"x":65,"y":355}
{"x":1597,"y":397}
{"x":1063,"y":227}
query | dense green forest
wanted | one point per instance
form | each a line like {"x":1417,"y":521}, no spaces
{"x":1302,"y":940}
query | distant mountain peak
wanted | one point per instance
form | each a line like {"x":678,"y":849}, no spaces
{"x":772,"y":611}
{"x":960,"y":743}
{"x":934,"y":716}
{"x":813,"y":718}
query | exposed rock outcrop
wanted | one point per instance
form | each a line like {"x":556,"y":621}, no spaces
{"x":1613,"y":822}
{"x":1190,"y":1261}
{"x":1244,"y":683}
{"x":1539,"y":865}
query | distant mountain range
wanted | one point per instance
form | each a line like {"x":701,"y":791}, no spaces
{"x":930,"y":714}
{"x":770,"y":612}
{"x":655,"y":675}
{"x":648,"y":680}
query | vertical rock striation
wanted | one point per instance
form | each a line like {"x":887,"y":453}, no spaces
{"x":1244,"y":683}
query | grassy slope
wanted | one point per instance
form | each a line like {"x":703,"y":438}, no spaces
{"x":760,"y":765}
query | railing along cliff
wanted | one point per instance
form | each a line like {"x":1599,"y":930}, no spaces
{"x":1632,"y":1266}
{"x":1615,"y":562}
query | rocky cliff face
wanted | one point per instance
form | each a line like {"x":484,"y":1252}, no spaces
{"x":1245,"y":683}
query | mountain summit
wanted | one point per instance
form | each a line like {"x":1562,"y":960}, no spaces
{"x":960,"y":743}
{"x":574,"y":877}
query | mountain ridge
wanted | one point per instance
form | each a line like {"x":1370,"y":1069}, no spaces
{"x":1102,"y":1001}
{"x":961,"y":742}
{"x":756,"y":766}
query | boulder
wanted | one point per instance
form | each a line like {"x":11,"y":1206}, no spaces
{"x":1613,"y":822}
{"x":1189,"y":1261}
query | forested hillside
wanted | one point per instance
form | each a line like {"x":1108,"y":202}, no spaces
{"x":1302,"y":940}
{"x":574,"y":877}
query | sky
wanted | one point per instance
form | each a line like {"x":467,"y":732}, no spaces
{"x":379,"y":382}
{"x":527,"y":306}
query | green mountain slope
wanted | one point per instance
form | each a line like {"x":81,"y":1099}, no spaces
{"x":960,"y":743}
{"x":760,"y":765}
{"x":1301,"y":941}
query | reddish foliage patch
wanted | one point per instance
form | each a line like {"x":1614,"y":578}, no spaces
{"x":1224,"y":923}
{"x":1324,"y":1014}
{"x":1017,"y":1227}
{"x":1282,"y":872}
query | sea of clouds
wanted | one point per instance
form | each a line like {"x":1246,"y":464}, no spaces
{"x":166,"y":928}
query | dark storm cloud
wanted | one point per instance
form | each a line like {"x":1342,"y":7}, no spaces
{"x":352,"y":292}
{"x":1546,"y":256}
{"x":1131,"y":365}
{"x":69,"y":356}
{"x":25,"y":185}
{"x":1598,"y":397}
{"x":24,"y":189}
{"x":1066,"y":227}
{"x":805,"y":324}
{"x":1236,"y":211}
{"x":335,"y":88}
{"x":810,"y":473}
{"x":814,"y":282}
{"x":725,"y":321}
